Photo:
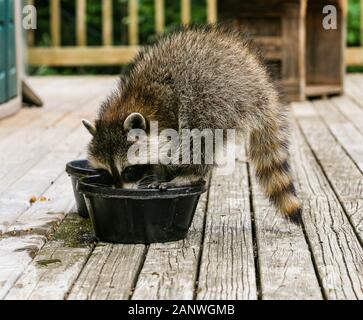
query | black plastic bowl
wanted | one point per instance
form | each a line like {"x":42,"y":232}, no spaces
{"x":79,"y":169}
{"x":141,"y":215}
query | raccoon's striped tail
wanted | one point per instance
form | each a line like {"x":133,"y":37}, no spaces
{"x":268,"y":152}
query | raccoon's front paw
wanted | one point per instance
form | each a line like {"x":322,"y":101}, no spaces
{"x":162,"y":186}
{"x":153,"y":185}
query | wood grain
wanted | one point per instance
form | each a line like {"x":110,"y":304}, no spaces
{"x":185,"y":11}
{"x":351,"y":110}
{"x":109,"y":273}
{"x":81,"y":26}
{"x":15,"y":255}
{"x":286,"y":267}
{"x":227,"y":269}
{"x":336,"y":251}
{"x":344,"y":176}
{"x":212,"y":11}
{"x":57,"y":265}
{"x":82,"y":56}
{"x":170,"y":270}
{"x":344,"y":131}
{"x":133,"y":22}
{"x":159,"y":16}
{"x":107,"y":22}
{"x":55,"y":22}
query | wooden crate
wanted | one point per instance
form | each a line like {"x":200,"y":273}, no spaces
{"x":310,"y":59}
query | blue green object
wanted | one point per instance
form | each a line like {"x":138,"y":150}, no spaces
{"x":8,"y":70}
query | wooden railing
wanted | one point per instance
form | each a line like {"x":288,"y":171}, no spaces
{"x":354,"y":55}
{"x":107,"y":54}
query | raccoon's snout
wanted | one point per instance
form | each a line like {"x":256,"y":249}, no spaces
{"x":116,"y":176}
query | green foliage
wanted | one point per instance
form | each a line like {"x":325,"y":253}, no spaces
{"x":146,"y":26}
{"x":120,"y":20}
{"x":353,"y":35}
{"x":94,"y":27}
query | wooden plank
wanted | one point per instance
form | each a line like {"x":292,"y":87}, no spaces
{"x":293,"y":50}
{"x":345,"y":178}
{"x":30,"y":32}
{"x":227,"y":269}
{"x":322,"y":90}
{"x":336,"y":250}
{"x":107,"y":22}
{"x":133,"y":22}
{"x":159,"y":16}
{"x":28,"y":119}
{"x":286,"y":269}
{"x":55,"y":22}
{"x":115,"y":55}
{"x":351,"y":110}
{"x":10,"y":125}
{"x":357,"y":79}
{"x":57,"y":265}
{"x":15,"y":200}
{"x":212,"y":11}
{"x":354,"y":56}
{"x":185,"y":11}
{"x":36,"y":141}
{"x":109,"y":273}
{"x":170,"y":269}
{"x":82,"y":56}
{"x":15,"y":254}
{"x":80,"y":135}
{"x":347,"y":135}
{"x":325,"y":64}
{"x":81,"y":26}
{"x":44,"y":215}
{"x":353,"y":88}
{"x":30,"y":151}
{"x":34,"y":166}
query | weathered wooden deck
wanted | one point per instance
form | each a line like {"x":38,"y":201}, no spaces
{"x":238,"y":246}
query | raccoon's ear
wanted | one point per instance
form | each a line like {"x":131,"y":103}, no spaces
{"x":135,"y":121}
{"x":89,"y":126}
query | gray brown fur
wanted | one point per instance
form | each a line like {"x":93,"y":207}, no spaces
{"x":202,"y":77}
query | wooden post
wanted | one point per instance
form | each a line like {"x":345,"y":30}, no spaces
{"x":30,"y":32}
{"x":212,"y":11}
{"x":107,"y":22}
{"x":55,"y":22}
{"x":343,"y":46}
{"x":325,"y":49}
{"x":133,"y":23}
{"x":185,"y":11}
{"x":81,"y":23}
{"x":293,"y":49}
{"x":159,"y":16}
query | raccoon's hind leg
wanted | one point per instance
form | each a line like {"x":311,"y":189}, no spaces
{"x":268,"y":152}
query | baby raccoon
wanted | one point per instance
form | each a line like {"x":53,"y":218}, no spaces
{"x":199,"y":78}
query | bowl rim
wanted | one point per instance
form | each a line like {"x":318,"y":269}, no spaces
{"x":73,"y":168}
{"x":90,"y":189}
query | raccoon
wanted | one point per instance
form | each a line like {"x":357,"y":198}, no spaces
{"x":204,"y":77}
